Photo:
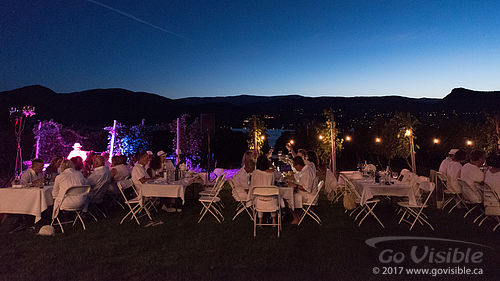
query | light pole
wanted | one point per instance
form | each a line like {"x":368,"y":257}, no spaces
{"x":332,"y":135}
{"x":409,"y":134}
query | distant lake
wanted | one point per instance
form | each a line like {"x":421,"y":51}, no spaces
{"x":273,"y":134}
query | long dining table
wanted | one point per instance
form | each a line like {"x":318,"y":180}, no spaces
{"x":26,"y":201}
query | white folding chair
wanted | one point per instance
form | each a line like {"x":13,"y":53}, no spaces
{"x":367,"y":208}
{"x":210,"y":191}
{"x":209,"y":203}
{"x":76,"y":191}
{"x":468,"y":194}
{"x":242,"y":202}
{"x":135,"y":204}
{"x":491,"y":206}
{"x":416,"y":210}
{"x":314,"y":202}
{"x":453,"y":194}
{"x":270,"y":195}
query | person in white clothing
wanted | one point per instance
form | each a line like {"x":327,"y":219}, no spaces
{"x":453,"y":171}
{"x":241,"y":180}
{"x":68,"y":177}
{"x":77,"y":151}
{"x":263,"y":176}
{"x":304,"y":185}
{"x":139,"y":174}
{"x":34,"y":175}
{"x":472,"y":174}
{"x":99,"y":180}
{"x":492,"y":176}
{"x":119,"y":168}
{"x":447,"y":161}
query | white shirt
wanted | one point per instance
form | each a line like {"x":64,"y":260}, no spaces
{"x":29,"y":176}
{"x":305,"y":178}
{"x":138,"y":172}
{"x":453,"y":172}
{"x":241,"y":185}
{"x":75,"y":153}
{"x":122,"y":172}
{"x":493,"y":181}
{"x":471,"y":174}
{"x":98,"y":181}
{"x":66,"y":179}
{"x":261,"y":178}
{"x":444,"y":165}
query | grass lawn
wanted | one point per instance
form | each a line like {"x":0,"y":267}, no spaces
{"x":182,"y":249}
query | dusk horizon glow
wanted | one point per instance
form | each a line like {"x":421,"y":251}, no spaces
{"x":188,"y":49}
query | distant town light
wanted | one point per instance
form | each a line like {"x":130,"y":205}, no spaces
{"x":469,"y":142}
{"x":378,"y":140}
{"x":436,"y":140}
{"x":348,"y":138}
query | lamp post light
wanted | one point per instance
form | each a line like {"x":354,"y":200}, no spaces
{"x":469,"y":142}
{"x":436,"y":141}
{"x":292,"y":142}
{"x":348,"y":138}
{"x":321,"y":137}
{"x":378,"y":140}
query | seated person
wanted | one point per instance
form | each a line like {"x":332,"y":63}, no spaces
{"x":155,"y":167}
{"x":34,"y":175}
{"x":139,"y":174}
{"x":119,"y":170}
{"x":447,"y":161}
{"x":99,"y":179}
{"x":241,"y":180}
{"x":304,"y":185}
{"x":68,"y":177}
{"x":263,"y":176}
{"x":453,"y":171}
{"x":472,"y":174}
{"x":53,"y":169}
{"x":77,"y":163}
{"x":492,"y":176}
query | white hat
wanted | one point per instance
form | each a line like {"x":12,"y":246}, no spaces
{"x":47,"y":230}
{"x":161,"y":152}
{"x":453,"y":151}
{"x":149,"y":152}
{"x":77,"y":144}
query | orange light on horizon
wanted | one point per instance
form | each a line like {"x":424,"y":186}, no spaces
{"x":348,"y":138}
{"x":378,"y":140}
{"x":436,"y":140}
{"x":469,"y":142}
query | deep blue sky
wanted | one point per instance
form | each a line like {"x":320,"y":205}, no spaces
{"x":209,"y":48}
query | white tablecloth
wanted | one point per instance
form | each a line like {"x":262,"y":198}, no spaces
{"x":286,"y":193}
{"x":175,"y":189}
{"x":367,"y":188}
{"x":28,"y":201}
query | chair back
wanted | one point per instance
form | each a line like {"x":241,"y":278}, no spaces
{"x":471,"y":194}
{"x":127,"y":186}
{"x":350,"y":187}
{"x":265,"y":198}
{"x":428,"y":188}
{"x":74,"y":191}
{"x":314,"y":200}
{"x":235,"y":193}
{"x":442,"y":177}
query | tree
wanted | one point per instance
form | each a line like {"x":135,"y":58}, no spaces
{"x":257,"y":134}
{"x":395,"y":143}
{"x":325,"y":133}
{"x":55,"y":140}
{"x":190,"y":139}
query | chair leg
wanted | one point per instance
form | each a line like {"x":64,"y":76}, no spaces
{"x":60,"y":225}
{"x":470,"y":210}
{"x":496,"y":226}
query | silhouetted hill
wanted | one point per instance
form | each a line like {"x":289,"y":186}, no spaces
{"x":469,"y":100}
{"x":99,"y":107}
